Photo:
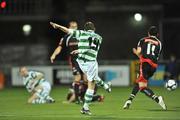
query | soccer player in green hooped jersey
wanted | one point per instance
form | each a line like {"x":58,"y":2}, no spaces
{"x":88,"y":47}
{"x":36,"y":85}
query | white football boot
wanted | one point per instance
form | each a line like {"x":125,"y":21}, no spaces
{"x":127,"y":104}
{"x":161,"y":103}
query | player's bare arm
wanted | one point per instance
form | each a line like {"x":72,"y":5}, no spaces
{"x":62,"y":28}
{"x":39,"y":76}
{"x":37,"y":88}
{"x":56,"y":52}
{"x":137,"y":51}
{"x":72,"y":98}
{"x":34,"y":96}
{"x":75,"y":52}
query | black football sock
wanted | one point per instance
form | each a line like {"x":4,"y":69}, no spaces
{"x":148,"y":92}
{"x":96,"y":98}
{"x":76,"y":91}
{"x":134,"y":92}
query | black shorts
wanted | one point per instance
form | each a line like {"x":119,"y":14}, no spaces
{"x":76,"y":70}
{"x":146,"y":71}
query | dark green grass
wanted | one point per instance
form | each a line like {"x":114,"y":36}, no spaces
{"x":13,"y":106}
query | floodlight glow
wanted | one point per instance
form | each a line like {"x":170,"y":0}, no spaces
{"x":26,"y":29}
{"x":138,"y":17}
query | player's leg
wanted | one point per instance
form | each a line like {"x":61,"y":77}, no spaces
{"x":99,"y":98}
{"x":47,"y":90}
{"x":33,"y":99}
{"x":135,"y":90}
{"x":99,"y":81}
{"x":83,"y":88}
{"x":77,"y":78}
{"x":148,"y":71}
{"x":44,"y":92}
{"x":148,"y":92}
{"x":38,"y":101}
{"x":70,"y":98}
{"x":88,"y":98}
{"x":90,"y":69}
{"x":106,"y":86}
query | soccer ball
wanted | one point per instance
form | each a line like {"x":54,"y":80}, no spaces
{"x":171,"y":85}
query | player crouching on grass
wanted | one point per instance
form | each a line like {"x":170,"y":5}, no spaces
{"x":36,"y":85}
{"x":148,"y":52}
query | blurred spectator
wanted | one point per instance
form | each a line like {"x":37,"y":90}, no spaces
{"x":2,"y":80}
{"x":172,"y":68}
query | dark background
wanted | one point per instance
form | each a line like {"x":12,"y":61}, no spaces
{"x":113,"y":19}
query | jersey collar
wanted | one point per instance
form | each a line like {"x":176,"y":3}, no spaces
{"x":91,"y":31}
{"x":153,"y":36}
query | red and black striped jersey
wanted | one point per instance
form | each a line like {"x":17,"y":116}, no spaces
{"x":70,"y":44}
{"x":150,"y":48}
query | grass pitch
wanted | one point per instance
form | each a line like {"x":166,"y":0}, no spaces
{"x":13,"y":106}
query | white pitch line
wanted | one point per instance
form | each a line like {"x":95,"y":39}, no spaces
{"x":92,"y":116}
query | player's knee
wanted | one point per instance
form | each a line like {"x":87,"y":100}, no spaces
{"x":142,"y":86}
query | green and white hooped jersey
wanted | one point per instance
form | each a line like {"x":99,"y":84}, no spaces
{"x":88,"y":44}
{"x":29,"y":81}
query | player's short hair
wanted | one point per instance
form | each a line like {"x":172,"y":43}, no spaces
{"x":22,"y":67}
{"x":72,"y":22}
{"x":89,"y":26}
{"x":153,"y":31}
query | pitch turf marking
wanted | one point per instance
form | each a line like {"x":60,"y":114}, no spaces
{"x":87,"y":116}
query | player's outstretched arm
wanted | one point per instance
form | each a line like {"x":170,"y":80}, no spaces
{"x":62,"y":28}
{"x":33,"y":97}
{"x":137,"y":51}
{"x":55,"y":53}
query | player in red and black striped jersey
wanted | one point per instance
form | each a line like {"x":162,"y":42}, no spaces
{"x":67,"y":41}
{"x":148,"y":51}
{"x":71,"y":44}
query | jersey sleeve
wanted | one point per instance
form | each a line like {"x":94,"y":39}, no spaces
{"x":140,"y":42}
{"x":33,"y":74}
{"x":160,"y":49}
{"x":75,"y":33}
{"x":62,"y":42}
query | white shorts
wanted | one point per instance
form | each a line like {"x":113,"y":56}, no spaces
{"x":42,"y":93}
{"x":46,"y":86}
{"x":90,"y":69}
